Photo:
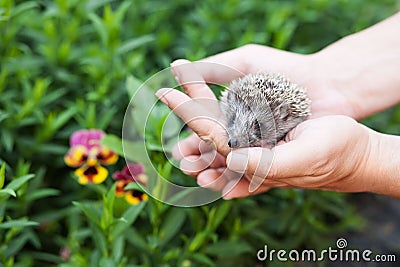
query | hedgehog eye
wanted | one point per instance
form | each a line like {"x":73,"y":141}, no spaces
{"x":255,"y":126}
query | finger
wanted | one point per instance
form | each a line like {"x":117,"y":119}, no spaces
{"x":240,"y":188}
{"x":212,"y":179}
{"x":192,"y":145}
{"x":252,"y":161}
{"x":190,"y":79}
{"x":194,"y":164}
{"x":198,"y":116}
{"x":224,"y":67}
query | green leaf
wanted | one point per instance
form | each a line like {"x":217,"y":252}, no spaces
{"x":203,"y":259}
{"x":63,"y":118}
{"x":121,"y":11}
{"x":221,"y":213}
{"x":18,"y":182}
{"x":135,"y":151}
{"x":228,"y":248}
{"x":142,"y":101}
{"x":89,"y":212}
{"x":16,"y":244}
{"x":134,"y":43}
{"x":22,"y":7}
{"x":3,"y":115}
{"x":2,"y":175}
{"x":118,"y":247}
{"x":172,"y":224}
{"x":108,"y":209}
{"x":132,"y":85}
{"x":176,"y":198}
{"x":7,"y":191}
{"x":129,"y":217}
{"x":107,"y":117}
{"x":99,"y":240}
{"x":133,"y":237}
{"x":7,"y":139}
{"x":17,"y":223}
{"x":94,"y":4}
{"x":46,"y":257}
{"x":198,"y":241}
{"x":42,"y":193}
{"x":107,"y":262}
{"x":99,"y":27}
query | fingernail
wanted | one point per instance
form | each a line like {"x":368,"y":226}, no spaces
{"x":237,"y":160}
{"x":175,"y":69}
{"x":161,"y":94}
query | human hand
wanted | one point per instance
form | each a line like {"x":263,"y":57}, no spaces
{"x":329,"y":153}
{"x":334,"y":87}
{"x":208,"y":130}
{"x":199,"y":158}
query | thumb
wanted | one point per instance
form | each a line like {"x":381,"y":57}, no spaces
{"x":290,"y":159}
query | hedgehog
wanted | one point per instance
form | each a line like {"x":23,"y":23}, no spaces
{"x":261,"y":108}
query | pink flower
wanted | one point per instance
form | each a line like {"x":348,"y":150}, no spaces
{"x":131,"y":173}
{"x":87,"y":153}
{"x":87,"y":138}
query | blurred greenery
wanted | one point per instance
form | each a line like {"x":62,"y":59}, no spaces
{"x":64,"y":65}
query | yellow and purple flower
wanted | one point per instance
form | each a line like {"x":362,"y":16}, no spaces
{"x":88,"y":154}
{"x":132,"y":173}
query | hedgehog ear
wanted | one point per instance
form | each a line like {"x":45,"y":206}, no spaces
{"x":284,"y":111}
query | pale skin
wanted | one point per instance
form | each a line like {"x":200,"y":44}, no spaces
{"x":349,"y":80}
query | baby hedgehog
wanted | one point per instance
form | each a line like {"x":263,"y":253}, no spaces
{"x":260,"y":109}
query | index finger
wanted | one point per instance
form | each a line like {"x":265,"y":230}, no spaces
{"x":201,"y":115}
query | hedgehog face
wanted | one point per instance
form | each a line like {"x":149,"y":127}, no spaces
{"x":262,"y":108}
{"x":248,"y":127}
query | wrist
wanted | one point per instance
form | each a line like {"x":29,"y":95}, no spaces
{"x":382,"y":169}
{"x":363,"y":68}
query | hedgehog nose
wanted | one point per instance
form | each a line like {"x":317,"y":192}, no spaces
{"x":233,"y":143}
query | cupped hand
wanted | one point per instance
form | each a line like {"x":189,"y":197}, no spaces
{"x":328,"y":153}
{"x":203,"y":155}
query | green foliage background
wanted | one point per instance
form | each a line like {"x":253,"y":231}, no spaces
{"x":64,"y":66}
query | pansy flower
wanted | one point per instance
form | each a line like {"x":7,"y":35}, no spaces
{"x":88,"y":154}
{"x":131,"y":173}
